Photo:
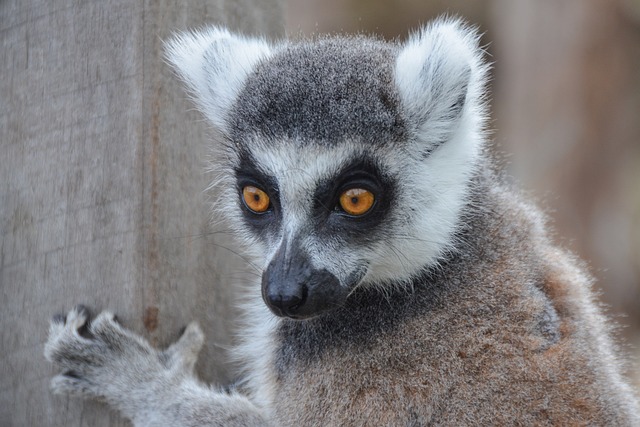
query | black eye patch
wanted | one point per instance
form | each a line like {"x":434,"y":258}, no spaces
{"x":362,"y":173}
{"x":248,"y":173}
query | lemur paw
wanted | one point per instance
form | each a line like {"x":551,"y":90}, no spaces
{"x":101,"y":359}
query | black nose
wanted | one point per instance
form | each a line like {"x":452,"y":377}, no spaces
{"x":287,"y":305}
{"x":292,"y":288}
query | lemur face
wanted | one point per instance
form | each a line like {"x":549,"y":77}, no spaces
{"x":345,"y":162}
{"x":319,"y":215}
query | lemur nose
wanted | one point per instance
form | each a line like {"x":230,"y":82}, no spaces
{"x":287,"y":304}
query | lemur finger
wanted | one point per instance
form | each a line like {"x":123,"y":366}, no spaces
{"x":71,"y":351}
{"x":118,"y":339}
{"x":105,"y":323}
{"x":65,"y":346}
{"x":77,"y":317}
{"x":56,"y":326}
{"x":74,"y":320}
{"x":191,"y":340}
{"x":183,"y":354}
{"x":107,"y":328}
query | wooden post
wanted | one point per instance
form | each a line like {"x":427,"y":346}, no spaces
{"x":101,"y":187}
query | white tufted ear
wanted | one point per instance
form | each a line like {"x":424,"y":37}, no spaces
{"x":215,"y":64}
{"x":439,"y":74}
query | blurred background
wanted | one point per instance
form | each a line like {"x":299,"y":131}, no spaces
{"x":565,"y":116}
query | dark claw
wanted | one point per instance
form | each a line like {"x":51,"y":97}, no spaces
{"x":231,"y":387}
{"x":71,"y":374}
{"x":182,"y":331}
{"x":59,"y":318}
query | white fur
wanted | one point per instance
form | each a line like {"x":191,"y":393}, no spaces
{"x":215,"y":64}
{"x":434,"y":69}
{"x":436,"y":189}
{"x":256,"y":349}
{"x":437,"y":65}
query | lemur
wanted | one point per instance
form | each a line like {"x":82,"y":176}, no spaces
{"x":404,"y":282}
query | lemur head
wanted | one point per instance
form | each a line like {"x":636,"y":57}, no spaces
{"x":344,"y":162}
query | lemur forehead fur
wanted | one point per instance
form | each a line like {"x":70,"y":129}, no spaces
{"x":403,"y":282}
{"x":324,"y":92}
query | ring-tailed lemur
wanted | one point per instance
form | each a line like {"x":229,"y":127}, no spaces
{"x":404,"y":283}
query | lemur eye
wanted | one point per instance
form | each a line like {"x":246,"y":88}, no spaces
{"x":255,"y":199}
{"x":356,"y":201}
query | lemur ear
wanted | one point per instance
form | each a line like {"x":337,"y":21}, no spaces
{"x":215,"y":63}
{"x":439,"y":74}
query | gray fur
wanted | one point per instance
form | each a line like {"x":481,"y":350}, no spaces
{"x":306,"y":90}
{"x":446,"y":304}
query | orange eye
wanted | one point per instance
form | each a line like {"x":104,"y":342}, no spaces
{"x":255,"y":199}
{"x":356,"y":201}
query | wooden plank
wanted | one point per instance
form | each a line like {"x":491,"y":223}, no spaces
{"x":101,"y":187}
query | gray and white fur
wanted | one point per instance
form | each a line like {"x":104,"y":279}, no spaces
{"x":446,"y":303}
